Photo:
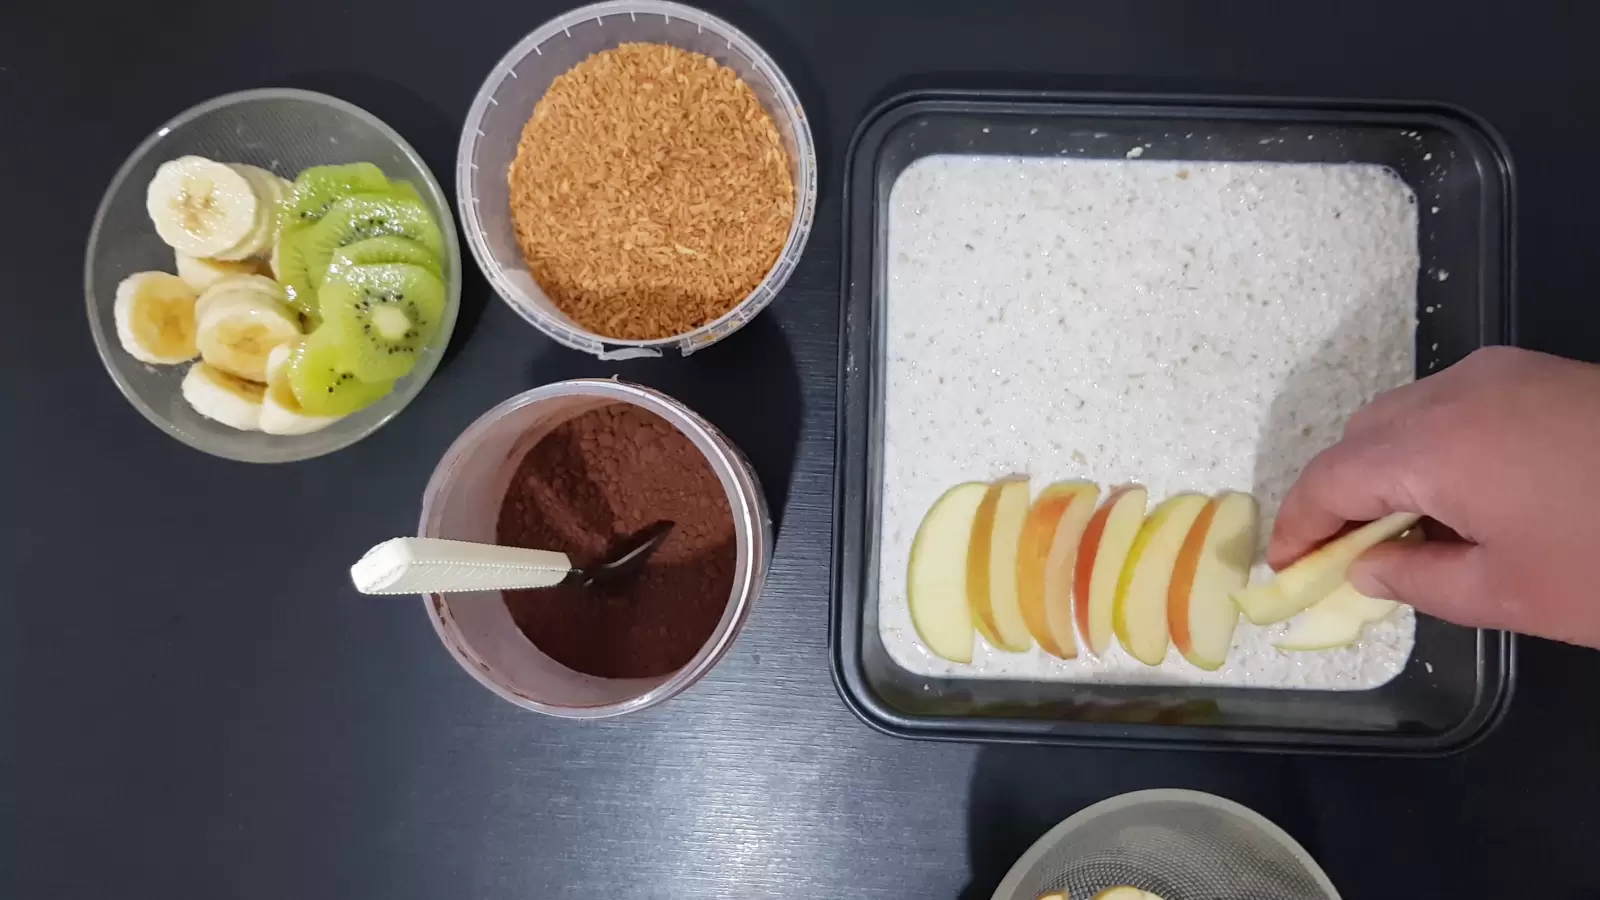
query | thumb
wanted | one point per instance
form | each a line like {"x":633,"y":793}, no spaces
{"x":1441,"y":578}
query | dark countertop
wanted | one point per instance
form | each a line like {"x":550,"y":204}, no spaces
{"x":205,"y":709}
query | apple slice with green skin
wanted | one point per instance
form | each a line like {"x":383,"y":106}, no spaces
{"x":1101,"y":553}
{"x":992,"y":565}
{"x":1213,"y":562}
{"x":936,"y":583}
{"x":1045,"y":557}
{"x":1315,"y":575}
{"x":1139,"y":615}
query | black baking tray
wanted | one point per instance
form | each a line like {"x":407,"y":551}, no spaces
{"x":1458,"y":683}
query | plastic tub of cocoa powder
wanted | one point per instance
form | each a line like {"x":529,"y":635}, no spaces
{"x":494,"y":124}
{"x":575,"y":465}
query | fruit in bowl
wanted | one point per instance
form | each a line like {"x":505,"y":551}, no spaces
{"x":303,"y":301}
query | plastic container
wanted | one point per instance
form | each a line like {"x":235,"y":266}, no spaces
{"x":1458,"y":681}
{"x":285,"y":131}
{"x":1179,"y":845}
{"x":462,"y":502}
{"x":506,"y":100}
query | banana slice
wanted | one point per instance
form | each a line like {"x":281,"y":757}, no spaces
{"x":270,"y":191}
{"x":258,"y":285}
{"x":240,"y":327}
{"x":224,"y":398}
{"x":281,"y":412}
{"x":155,"y":318}
{"x":200,"y":207}
{"x":277,"y":359}
{"x":272,"y":257}
{"x":203,"y":273}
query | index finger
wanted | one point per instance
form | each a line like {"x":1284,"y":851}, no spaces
{"x":1359,"y":479}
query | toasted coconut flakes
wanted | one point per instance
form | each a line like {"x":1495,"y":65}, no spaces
{"x":650,"y":192}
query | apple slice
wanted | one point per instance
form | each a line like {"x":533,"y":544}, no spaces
{"x":936,"y":583}
{"x":1104,"y":548}
{"x":1139,"y":615}
{"x":1337,"y":620}
{"x":1213,"y":562}
{"x":992,"y":565}
{"x":1045,"y":556}
{"x":1123,"y":892}
{"x":1315,"y":575}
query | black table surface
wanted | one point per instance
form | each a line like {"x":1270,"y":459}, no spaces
{"x":194,"y":704}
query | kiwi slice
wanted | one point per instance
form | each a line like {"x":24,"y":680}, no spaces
{"x":323,"y":384}
{"x":355,"y":219}
{"x":386,"y":249}
{"x":382,"y":315}
{"x":402,"y":188}
{"x":319,"y":187}
{"x":289,"y":267}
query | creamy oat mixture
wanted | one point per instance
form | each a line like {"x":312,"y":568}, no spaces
{"x":1189,"y":326}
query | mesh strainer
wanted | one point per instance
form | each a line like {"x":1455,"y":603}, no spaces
{"x":1182,"y":845}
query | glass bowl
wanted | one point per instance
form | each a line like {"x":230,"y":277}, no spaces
{"x":504,"y":103}
{"x":285,"y":131}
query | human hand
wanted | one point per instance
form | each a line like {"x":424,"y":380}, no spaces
{"x":1503,"y":449}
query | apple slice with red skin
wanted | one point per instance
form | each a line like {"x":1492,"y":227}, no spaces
{"x":1046,"y":554}
{"x":1101,"y":553}
{"x":1213,"y":563}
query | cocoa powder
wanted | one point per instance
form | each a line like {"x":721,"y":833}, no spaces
{"x":583,"y":488}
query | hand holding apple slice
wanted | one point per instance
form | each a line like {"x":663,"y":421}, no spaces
{"x":1315,"y":575}
{"x":992,"y":565}
{"x":1101,"y":554}
{"x":1045,"y":557}
{"x":1338,"y":619}
{"x":1213,"y":563}
{"x":1139,"y":615}
{"x":936,"y":587}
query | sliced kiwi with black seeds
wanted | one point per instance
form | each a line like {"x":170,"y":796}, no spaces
{"x":356,"y":219}
{"x":382,"y":315}
{"x":319,"y":187}
{"x":386,"y":249}
{"x":323,"y":384}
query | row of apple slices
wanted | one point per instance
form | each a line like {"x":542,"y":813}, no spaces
{"x":986,"y":560}
{"x":1061,"y":567}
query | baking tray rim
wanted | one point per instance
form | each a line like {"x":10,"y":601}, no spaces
{"x":1496,"y":648}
